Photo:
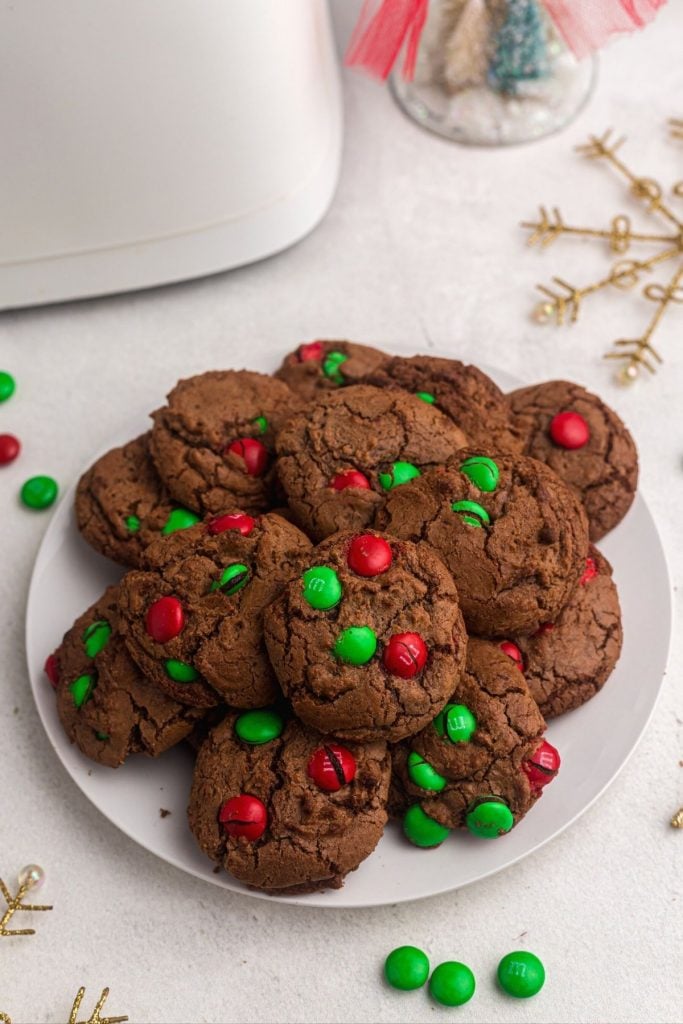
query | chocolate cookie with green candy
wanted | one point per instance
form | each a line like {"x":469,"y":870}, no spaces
{"x":585,"y":443}
{"x":193,"y":619}
{"x":105,"y":704}
{"x":122,"y":505}
{"x":567,"y":661}
{"x":461,"y":391}
{"x":511,"y":532}
{"x":475,"y":765}
{"x":213,"y":442}
{"x":368,"y":640}
{"x":320,"y":366}
{"x":294,"y":812}
{"x":339,"y":459}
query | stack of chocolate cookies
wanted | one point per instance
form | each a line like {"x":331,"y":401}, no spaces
{"x":359,"y":588}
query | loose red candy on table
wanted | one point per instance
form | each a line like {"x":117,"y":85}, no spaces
{"x":252,"y":452}
{"x":513,"y":651}
{"x":51,"y":669}
{"x":569,"y":430}
{"x":9,"y":448}
{"x":332,"y":767}
{"x":244,"y":816}
{"x":368,"y":555}
{"x":313,"y":352}
{"x":165,"y":619}
{"x":589,"y":573}
{"x":350,"y":478}
{"x":244,"y":524}
{"x":405,"y":655}
{"x":542,"y":767}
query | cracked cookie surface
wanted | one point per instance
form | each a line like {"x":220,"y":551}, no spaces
{"x":313,"y":837}
{"x":382,"y":695}
{"x":321,"y":366}
{"x":357,"y":430}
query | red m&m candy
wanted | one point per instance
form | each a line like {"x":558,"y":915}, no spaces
{"x":368,"y":555}
{"x":313,"y":352}
{"x":165,"y":619}
{"x":253,"y":453}
{"x":332,"y":767}
{"x":9,"y":448}
{"x":244,"y":816}
{"x":51,"y":669}
{"x":350,"y":478}
{"x":513,"y":651}
{"x":589,"y":573}
{"x":405,"y":655}
{"x":569,"y":430}
{"x":542,"y":766}
{"x":244,"y":524}
{"x":546,"y":627}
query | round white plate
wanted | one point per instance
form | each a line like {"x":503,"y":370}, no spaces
{"x":68,"y":576}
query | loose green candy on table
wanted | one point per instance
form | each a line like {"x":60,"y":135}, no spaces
{"x":232,"y":579}
{"x":331,"y":366}
{"x":489,"y":818}
{"x":406,"y":968}
{"x":472,"y":512}
{"x":521,"y":974}
{"x":96,"y":636}
{"x":422,"y":830}
{"x":482,"y":471}
{"x":81,"y":689}
{"x":39,"y":492}
{"x":456,"y":722}
{"x":179,"y":519}
{"x":260,"y":726}
{"x":399,"y":473}
{"x":356,"y":645}
{"x":322,"y":588}
{"x":452,"y":983}
{"x":7,"y":385}
{"x":180,"y":672}
{"x":422,"y":774}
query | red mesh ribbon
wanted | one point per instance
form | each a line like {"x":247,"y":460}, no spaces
{"x":382,"y":29}
{"x":587,"y":24}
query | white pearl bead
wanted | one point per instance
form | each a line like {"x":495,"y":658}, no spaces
{"x":543,"y":312}
{"x":33,"y":875}
{"x":627,"y":374}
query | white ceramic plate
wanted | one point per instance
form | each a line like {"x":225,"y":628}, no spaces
{"x":68,"y":576}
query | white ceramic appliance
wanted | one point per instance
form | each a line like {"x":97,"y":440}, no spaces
{"x":148,"y":141}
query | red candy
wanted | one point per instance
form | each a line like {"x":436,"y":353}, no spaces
{"x":547,"y":627}
{"x":542,"y":766}
{"x":232,"y":521}
{"x":9,"y":448}
{"x":244,"y":816}
{"x":589,"y":573}
{"x":368,"y":555}
{"x":165,"y":619}
{"x":51,"y":669}
{"x":569,"y":430}
{"x":332,"y":767}
{"x":350,"y":478}
{"x":405,"y":655}
{"x":513,"y":651}
{"x":253,"y":453}
{"x":312,"y":352}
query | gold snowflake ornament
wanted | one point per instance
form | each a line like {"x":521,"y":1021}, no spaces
{"x":95,"y":1016}
{"x":30,"y":877}
{"x":562,"y":302}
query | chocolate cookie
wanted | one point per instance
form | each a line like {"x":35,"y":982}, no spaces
{"x":122,"y":505}
{"x":568,"y":660}
{"x":285,"y":809}
{"x":512,"y":533}
{"x":193,"y":620}
{"x":107,"y":707}
{"x":462,"y":392}
{"x":482,"y":763}
{"x":327,"y":365}
{"x":212,"y":444}
{"x":339,"y":459}
{"x":368,"y":640}
{"x":587,"y":445}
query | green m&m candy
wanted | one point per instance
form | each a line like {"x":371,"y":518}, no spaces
{"x":179,"y":519}
{"x":426,"y":396}
{"x":521,"y":974}
{"x":472,"y":512}
{"x":260,"y":726}
{"x":7,"y":385}
{"x":232,"y":579}
{"x":489,"y":817}
{"x":421,"y":773}
{"x":399,"y":473}
{"x":456,"y":722}
{"x":261,"y":424}
{"x":39,"y":492}
{"x":331,"y":366}
{"x":322,"y":588}
{"x":180,"y":671}
{"x":102,"y":736}
{"x":406,"y":968}
{"x":481,"y":471}
{"x":423,"y":830}
{"x":132,"y":524}
{"x":81,"y":689}
{"x":356,"y":645}
{"x":96,"y":637}
{"x":452,"y":983}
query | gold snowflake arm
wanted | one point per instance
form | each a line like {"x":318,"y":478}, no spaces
{"x":677,"y":819}
{"x":551,"y":226}
{"x":14,"y":905}
{"x":676,"y":128}
{"x":5,"y":1018}
{"x":639,"y":352}
{"x":95,"y":1017}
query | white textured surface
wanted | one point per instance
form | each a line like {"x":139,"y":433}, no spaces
{"x":421,"y":245}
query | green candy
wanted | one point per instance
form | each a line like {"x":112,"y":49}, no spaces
{"x":407,"y":968}
{"x":471,"y":510}
{"x":179,"y":519}
{"x":399,"y":473}
{"x":521,"y":974}
{"x":481,"y":471}
{"x":7,"y":385}
{"x":132,"y":524}
{"x":452,"y":984}
{"x":261,"y":423}
{"x":422,"y":830}
{"x":81,"y":689}
{"x":102,"y":736}
{"x":426,"y":396}
{"x":421,"y":773}
{"x":180,"y":672}
{"x":331,"y":366}
{"x":456,"y":722}
{"x":356,"y":645}
{"x":232,"y":579}
{"x":96,"y":636}
{"x":39,"y":492}
{"x":322,"y":588}
{"x":257,"y":727}
{"x":489,"y":818}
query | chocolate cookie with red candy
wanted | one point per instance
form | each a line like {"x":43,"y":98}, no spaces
{"x":327,"y":365}
{"x":284,"y":809}
{"x":193,"y":619}
{"x":568,"y":660}
{"x":482,"y":763}
{"x":212,"y":444}
{"x":339,"y":459}
{"x":585,"y":443}
{"x":368,"y":640}
{"x":107,"y":707}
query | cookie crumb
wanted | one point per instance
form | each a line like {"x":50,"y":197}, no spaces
{"x":217,"y":869}
{"x":163,"y":813}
